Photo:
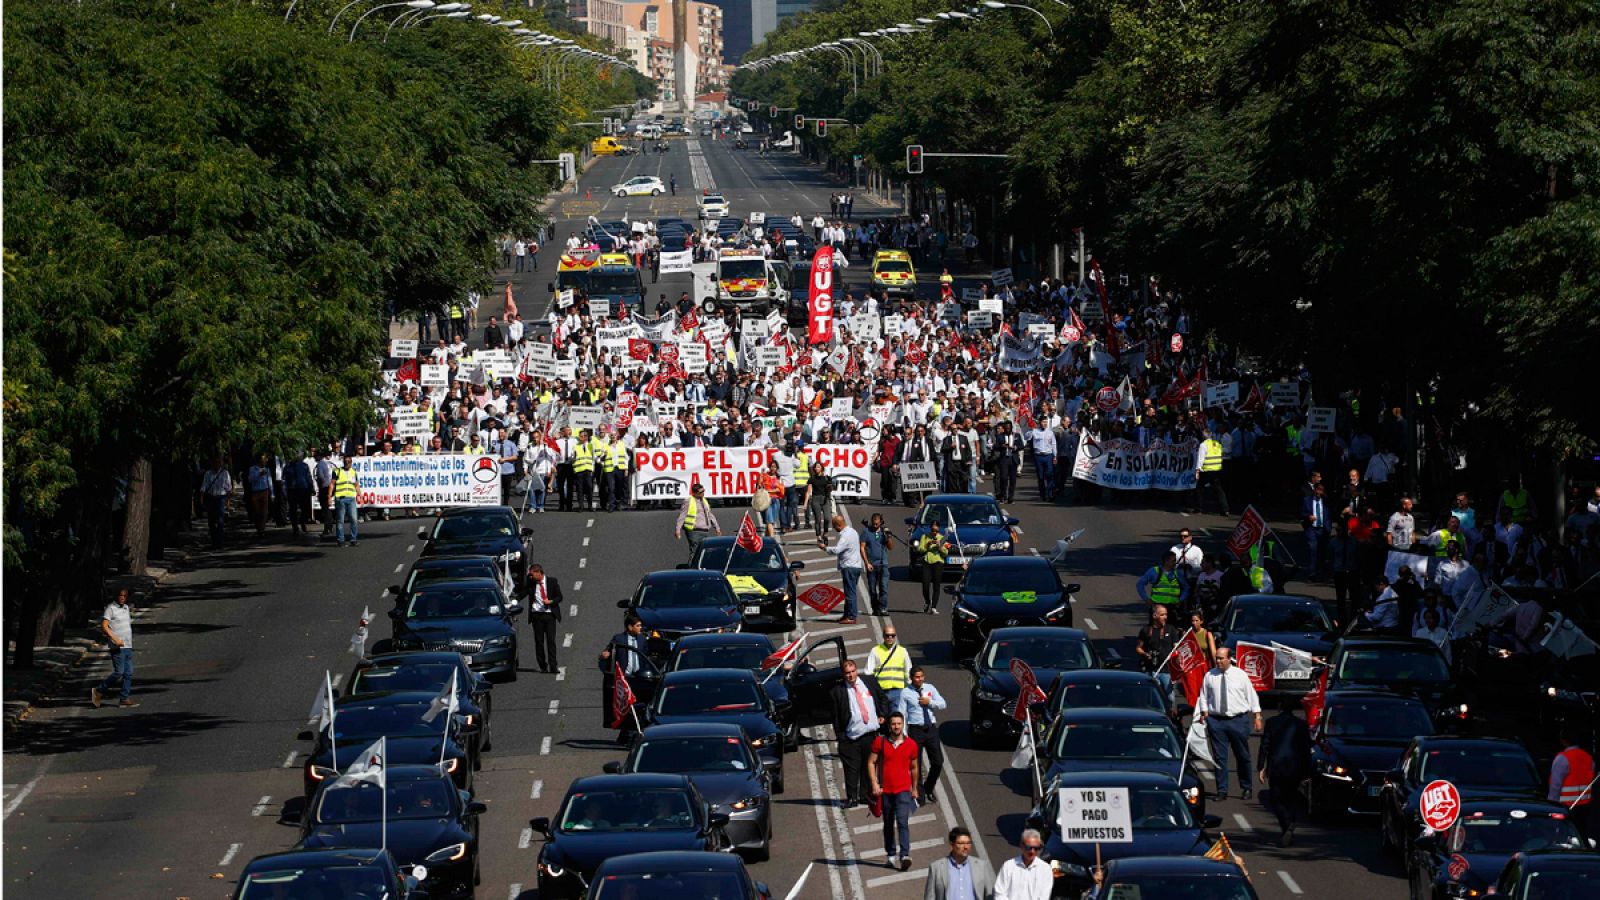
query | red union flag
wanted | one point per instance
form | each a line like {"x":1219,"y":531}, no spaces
{"x":622,"y":698}
{"x":1315,"y":699}
{"x":1028,"y":692}
{"x":639,"y":348}
{"x":1187,"y":665}
{"x":819,"y":328}
{"x":1177,"y":343}
{"x":749,"y":538}
{"x":689,"y":322}
{"x":782,"y":654}
{"x":1257,"y":661}
{"x":1248,"y":533}
{"x":1441,"y":804}
{"x":669,"y":354}
{"x":824,"y":598}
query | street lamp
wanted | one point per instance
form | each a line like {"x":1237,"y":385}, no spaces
{"x":996,"y":4}
{"x":414,"y":4}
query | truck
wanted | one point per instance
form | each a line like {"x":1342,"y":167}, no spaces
{"x":612,"y":276}
{"x":748,"y":282}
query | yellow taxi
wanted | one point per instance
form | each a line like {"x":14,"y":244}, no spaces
{"x":893,"y":273}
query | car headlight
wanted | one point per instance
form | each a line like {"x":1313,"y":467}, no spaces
{"x":503,"y":640}
{"x":450,"y":766}
{"x":448,"y":854}
{"x":318,"y":773}
{"x":511,"y":556}
{"x":989,"y":696}
{"x":553,"y":870}
{"x":469,"y":719}
{"x":964,"y":614}
{"x":1459,"y":712}
{"x":746,"y":803}
{"x":767,"y":741}
{"x":1059,"y":612}
{"x":656,"y":635}
{"x":1000,"y":545}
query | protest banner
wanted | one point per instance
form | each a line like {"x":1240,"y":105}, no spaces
{"x":1319,"y":419}
{"x":1129,"y":466}
{"x":435,"y":376}
{"x":668,"y":474}
{"x":918,"y":477}
{"x":542,"y":368}
{"x":850,"y":466}
{"x":1259,"y":662}
{"x":1020,"y":354}
{"x":599,"y":307}
{"x":401,"y":349}
{"x":415,"y":480}
{"x":677,"y":261}
{"x":588,"y":417}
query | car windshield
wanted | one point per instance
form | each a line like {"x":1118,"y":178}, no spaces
{"x":402,"y":677}
{"x":965,"y":514}
{"x":1377,"y":720}
{"x":1116,"y":740}
{"x":455,"y":571}
{"x":393,"y":719}
{"x":730,"y":269}
{"x":721,"y":656}
{"x":1308,"y":617}
{"x":1049,"y":652}
{"x":606,"y":283}
{"x":1149,"y":887}
{"x":657,"y":885}
{"x":321,"y":881}
{"x":1479,"y":767}
{"x":1507,"y":832}
{"x":574,"y":280}
{"x":1011,"y":579}
{"x":457,"y":528}
{"x":1116,"y":695}
{"x":1159,"y":809}
{"x":712,"y":199}
{"x":690,"y":698}
{"x":1382,"y":665}
{"x":767,"y":559}
{"x":630,"y":811}
{"x":1569,"y":884}
{"x":893,"y":265}
{"x":364,"y":801}
{"x":445,"y":602}
{"x":686,"y":594}
{"x":682,"y":756}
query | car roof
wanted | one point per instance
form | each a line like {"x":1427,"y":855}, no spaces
{"x":313,"y":859}
{"x":724,"y":639}
{"x":1566,"y":860}
{"x":456,"y":583}
{"x":385,"y":698}
{"x":1113,"y":714}
{"x":632,"y":781}
{"x":1249,"y":599}
{"x":1116,"y":779}
{"x":694,"y":729}
{"x":1104,"y":676}
{"x":1173,"y":865}
{"x":1037,"y":631}
{"x":891,"y":254}
{"x":704,"y":675}
{"x":659,"y":861}
{"x":1501,"y":804}
{"x":467,"y":512}
{"x":960,"y":498}
{"x":1010,"y":562}
{"x":1459,"y":742}
{"x":680,"y":575}
{"x":420,"y":657}
{"x":439,"y":562}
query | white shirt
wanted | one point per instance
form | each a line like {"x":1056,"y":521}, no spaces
{"x":1020,"y":881}
{"x":119,"y":619}
{"x":1043,"y":440}
{"x":1241,"y":694}
{"x":1401,"y":527}
{"x":1189,"y":557}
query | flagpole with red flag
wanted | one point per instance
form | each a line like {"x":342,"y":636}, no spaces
{"x":622,"y":696}
{"x":749,"y":538}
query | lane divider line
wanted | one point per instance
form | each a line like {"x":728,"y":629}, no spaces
{"x":810,"y":755}
{"x":260,"y":806}
{"x":410,"y":547}
{"x":561,"y":673}
{"x":233,"y":850}
{"x":1244,"y":824}
{"x":566,"y":641}
{"x":538,"y":788}
{"x":555,"y":706}
{"x":516,"y":891}
{"x":525,"y":838}
{"x":1289,"y":882}
{"x":573,"y":610}
{"x":583,"y":563}
{"x":288,"y":761}
{"x":544,"y":746}
{"x":1090,"y":623}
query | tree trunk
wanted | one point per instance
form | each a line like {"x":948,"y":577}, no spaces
{"x":136,"y":525}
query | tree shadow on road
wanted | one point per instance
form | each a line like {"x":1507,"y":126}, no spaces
{"x":109,"y":727}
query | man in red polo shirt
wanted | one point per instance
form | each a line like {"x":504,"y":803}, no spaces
{"x":893,"y":769}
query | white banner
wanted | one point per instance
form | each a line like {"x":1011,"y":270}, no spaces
{"x":411,"y":423}
{"x":1020,"y":354}
{"x":403,"y":349}
{"x":894,"y":326}
{"x":588,"y":417}
{"x":850,"y":465}
{"x":1128,"y":466}
{"x":677,"y":261}
{"x":435,"y":376}
{"x":992,"y":305}
{"x":418,"y":480}
{"x":667,"y":474}
{"x":1044,"y":332}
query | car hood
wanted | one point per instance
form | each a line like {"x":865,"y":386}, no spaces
{"x":1374,"y":754}
{"x":689,"y":618}
{"x":495,"y":546}
{"x":997,"y":605}
{"x":755,"y":724}
{"x":402,"y":751}
{"x":457,"y":627}
{"x":585,"y":852}
{"x":1431,"y":693}
{"x":1483,"y":869}
{"x":971,"y":534}
{"x":721,"y":789}
{"x":410,"y":840}
{"x":1178,"y":842}
{"x":774,"y":581}
{"x":1001,"y":681}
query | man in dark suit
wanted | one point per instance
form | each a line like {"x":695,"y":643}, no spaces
{"x":633,"y":663}
{"x":1316,"y":517}
{"x":1283,"y":761}
{"x":917,"y":448}
{"x":1005,"y":459}
{"x":859,"y":710}
{"x":544,"y":614}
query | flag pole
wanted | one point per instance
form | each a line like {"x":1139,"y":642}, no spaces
{"x":1174,"y":650}
{"x":333,"y":741}
{"x":383,"y":791}
{"x":956,"y":530}
{"x":1033,"y":751}
{"x":449,"y":710}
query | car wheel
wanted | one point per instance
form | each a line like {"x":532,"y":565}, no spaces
{"x":709,"y":306}
{"x":477,"y":871}
{"x":777,"y":782}
{"x":762,"y":853}
{"x":655,"y":192}
{"x":1385,"y":840}
{"x":622,"y":193}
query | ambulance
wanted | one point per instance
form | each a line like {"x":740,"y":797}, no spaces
{"x":893,"y":273}
{"x":595,"y":275}
{"x":748,"y":282}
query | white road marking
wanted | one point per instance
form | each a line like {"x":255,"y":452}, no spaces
{"x":398,"y":567}
{"x":590,"y":524}
{"x":1184,"y":514}
{"x":586,"y":542}
{"x":288,"y":761}
{"x":516,"y":891}
{"x":910,"y":875}
{"x":561,"y":673}
{"x":525,"y":838}
{"x":233,"y":850}
{"x":555,"y":707}
{"x":383,"y":596}
{"x":878,"y":826}
{"x":16,"y":801}
{"x":538,"y":788}
{"x":1289,"y":883}
{"x":818,"y":782}
{"x":1244,"y":824}
{"x":871,"y":640}
{"x":410,"y":547}
{"x":583,"y":563}
{"x":566,"y":641}
{"x":1090,"y":623}
{"x":573,"y":609}
{"x":337,"y":678}
{"x":915,"y":845}
{"x":261,"y":806}
{"x":1035,"y":552}
{"x":1018,"y":530}
{"x":544,"y":747}
{"x":577,"y":585}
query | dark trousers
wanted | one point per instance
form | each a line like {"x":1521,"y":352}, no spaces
{"x":886,"y":481}
{"x":878,"y":586}
{"x":1230,"y":734}
{"x":564,"y":485}
{"x":853,"y":756}
{"x":121,"y":676}
{"x":1046,"y":468}
{"x":619,"y":490}
{"x":1005,"y":482}
{"x":1210,"y":481}
{"x":932,"y":576}
{"x":927,"y":737}
{"x":544,"y":639}
{"x":299,"y":507}
{"x":215,"y":508}
{"x":897,"y":809}
{"x":1283,"y":800}
{"x":584,"y":493}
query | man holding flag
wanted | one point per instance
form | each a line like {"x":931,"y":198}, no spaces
{"x":1226,"y":697}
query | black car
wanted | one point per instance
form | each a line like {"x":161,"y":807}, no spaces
{"x":718,"y":758}
{"x":1358,"y":740}
{"x":424,"y":819}
{"x":1411,"y":666}
{"x":607,"y":816}
{"x":1189,"y":877}
{"x":1048,"y":651}
{"x":325,"y":873}
{"x":1288,"y":619}
{"x":1081,"y":688}
{"x":1164,"y":824}
{"x":476,"y":619}
{"x":450,"y":568}
{"x":741,"y":650}
{"x":358,"y":723}
{"x":678,"y":602}
{"x":1480,"y":768}
{"x":492,"y":531}
{"x":430,"y":672}
{"x":974,"y":524}
{"x":1005,"y":592}
{"x":1120,"y":740}
{"x":1465,"y":859}
{"x":732,"y":696}
{"x":1551,"y":875}
{"x":667,"y":873}
{"x":762,"y":580}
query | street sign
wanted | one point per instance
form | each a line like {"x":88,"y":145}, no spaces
{"x":1097,"y":815}
{"x":1441,"y":804}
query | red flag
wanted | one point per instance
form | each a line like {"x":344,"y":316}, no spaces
{"x":1315,"y":699}
{"x":511,"y":302}
{"x":1099,"y":278}
{"x":1187,"y":665}
{"x":689,"y":322}
{"x":1248,"y":533}
{"x":824,"y":598}
{"x":819,"y":322}
{"x":1258,"y":661}
{"x":622,"y":698}
{"x":639,"y":348}
{"x":1253,"y":402}
{"x":749,"y":538}
{"x":782,"y":654}
{"x":408,"y":371}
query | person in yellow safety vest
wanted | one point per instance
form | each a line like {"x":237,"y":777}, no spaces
{"x":583,"y":471}
{"x":1208,"y":473}
{"x":346,"y":486}
{"x":1572,"y":777}
{"x":889,"y":662}
{"x":802,"y":477}
{"x":600,"y":449}
{"x":1163,"y":585}
{"x":695,"y":519}
{"x":458,"y":321}
{"x":1519,"y":502}
{"x":1442,"y":538}
{"x":932,"y":550}
{"x":617,"y":474}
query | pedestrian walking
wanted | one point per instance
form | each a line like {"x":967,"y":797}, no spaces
{"x":520,"y":250}
{"x":215,"y":488}
{"x":544,"y":614}
{"x":297,"y":483}
{"x":346,"y":486}
{"x":1156,"y":642}
{"x":859,"y":710}
{"x":1316,"y":521}
{"x":116,"y":623}
{"x":819,"y":500}
{"x":897,"y":785}
{"x":876,"y":542}
{"x":1282,"y":761}
{"x":959,"y":875}
{"x":848,"y":550}
{"x":1005,"y":458}
{"x":322,"y":472}
{"x":921,"y":704}
{"x":1026,"y":876}
{"x":931,"y":551}
{"x":889,"y":663}
{"x":629,"y":644}
{"x":695,"y":519}
{"x":1162,"y":585}
{"x":1226,"y":697}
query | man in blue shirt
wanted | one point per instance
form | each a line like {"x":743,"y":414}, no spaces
{"x":875,"y":546}
{"x":921,"y":704}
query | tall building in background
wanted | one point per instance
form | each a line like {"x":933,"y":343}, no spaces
{"x":745,"y":23}
{"x":788,"y":9}
{"x":608,"y":19}
{"x":653,"y":41}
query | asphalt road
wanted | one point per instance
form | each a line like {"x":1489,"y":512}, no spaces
{"x":171,"y":799}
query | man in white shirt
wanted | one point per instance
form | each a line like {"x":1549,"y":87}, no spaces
{"x":116,"y":623}
{"x":1189,"y":555}
{"x":1025,"y":876}
{"x":1402,"y":527}
{"x":1226,"y":697}
{"x":1043,"y":441}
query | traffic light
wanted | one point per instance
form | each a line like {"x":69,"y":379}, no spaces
{"x":799,"y":122}
{"x":822,"y":128}
{"x":774,"y":113}
{"x":914,"y":159}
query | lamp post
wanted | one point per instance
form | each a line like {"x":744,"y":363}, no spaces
{"x":996,"y":4}
{"x":414,"y":4}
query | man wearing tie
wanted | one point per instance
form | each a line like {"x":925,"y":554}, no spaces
{"x":1314,"y":518}
{"x":858,"y":712}
{"x":566,"y":452}
{"x":1226,"y":695}
{"x":544,"y":614}
{"x":631,"y":660}
{"x":1006,"y":459}
{"x":921,"y":703}
{"x":917,"y":448}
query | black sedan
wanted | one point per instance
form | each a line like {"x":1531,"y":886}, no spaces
{"x":1084,"y":688}
{"x":1120,"y":740}
{"x":358,"y":723}
{"x":1005,"y":592}
{"x":1358,"y":740}
{"x":449,"y":568}
{"x":718,"y":758}
{"x":492,"y":531}
{"x":1478,"y":767}
{"x":667,"y":873}
{"x":1411,"y":666}
{"x":476,"y":619}
{"x":1189,"y":877}
{"x":742,"y":650}
{"x":1550,"y":875}
{"x":732,"y":696}
{"x":1288,"y":619}
{"x":1464,"y":860}
{"x":675,"y":603}
{"x":325,"y":873}
{"x":607,"y":816}
{"x":762,"y":580}
{"x":430,"y":672}
{"x":1163,"y":825}
{"x":1048,"y":651}
{"x":429,"y":823}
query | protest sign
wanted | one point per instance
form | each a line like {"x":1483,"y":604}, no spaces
{"x":1095,"y":815}
{"x":599,"y":307}
{"x":403,"y":349}
{"x":850,"y":466}
{"x":668,"y":474}
{"x":769,"y":357}
{"x":1129,"y":466}
{"x":411,"y":423}
{"x":564,"y":298}
{"x":435,"y":376}
{"x":677,"y":261}
{"x":588,"y":417}
{"x":842,"y":407}
{"x":567,"y":369}
{"x":1284,"y":393}
{"x":417,"y":480}
{"x":894,"y":326}
{"x":992,"y":305}
{"x":1222,"y":394}
{"x":918,"y":477}
{"x":1041,"y":331}
{"x":980,"y":319}
{"x":1000,"y":277}
{"x":1319,"y":420}
{"x":971,"y":295}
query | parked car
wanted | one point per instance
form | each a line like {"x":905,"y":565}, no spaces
{"x":1047,"y":650}
{"x":1358,"y":740}
{"x":668,"y":873}
{"x":763,"y":580}
{"x":1480,"y":768}
{"x":327,"y":873}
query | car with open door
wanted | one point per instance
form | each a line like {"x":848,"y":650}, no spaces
{"x":763,"y":580}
